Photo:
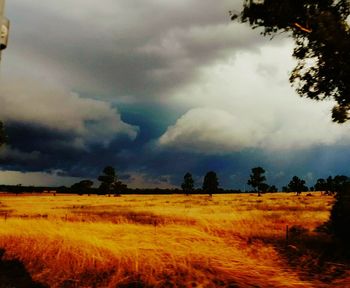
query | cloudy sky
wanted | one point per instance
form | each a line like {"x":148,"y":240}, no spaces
{"x":155,"y":88}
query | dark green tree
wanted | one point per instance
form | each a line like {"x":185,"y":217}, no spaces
{"x":82,"y":187}
{"x":110,"y":183}
{"x":188,"y":184}
{"x":322,"y":44}
{"x":210,"y":183}
{"x":257,"y":180}
{"x":297,"y":185}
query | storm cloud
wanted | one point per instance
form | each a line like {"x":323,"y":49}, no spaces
{"x":156,"y":89}
{"x":123,"y":49}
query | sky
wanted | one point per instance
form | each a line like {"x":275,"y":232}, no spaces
{"x":156,"y":89}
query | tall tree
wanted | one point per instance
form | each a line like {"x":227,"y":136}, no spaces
{"x":110,"y":183}
{"x":188,"y":184}
{"x":322,"y":45}
{"x":211,"y":183}
{"x":257,"y":180}
{"x":297,"y":185}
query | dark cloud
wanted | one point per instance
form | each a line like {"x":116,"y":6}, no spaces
{"x":90,"y":83}
{"x":122,"y":49}
{"x":143,"y":164}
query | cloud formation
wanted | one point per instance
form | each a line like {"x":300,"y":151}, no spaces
{"x":248,"y":103}
{"x":89,"y":121}
{"x":89,"y":83}
{"x":122,"y":48}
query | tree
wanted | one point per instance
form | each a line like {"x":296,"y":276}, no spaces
{"x":257,"y":180}
{"x":210,"y":183}
{"x":331,"y":185}
{"x":339,"y":221}
{"x":322,"y":45}
{"x":321,"y":185}
{"x":110,"y":183}
{"x":297,"y":185}
{"x":188,"y":184}
{"x":272,"y":189}
{"x":82,"y":187}
{"x":338,"y":184}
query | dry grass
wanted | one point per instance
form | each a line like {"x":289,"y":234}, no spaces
{"x":158,"y":241}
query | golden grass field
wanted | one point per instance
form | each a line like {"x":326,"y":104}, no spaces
{"x":159,"y":241}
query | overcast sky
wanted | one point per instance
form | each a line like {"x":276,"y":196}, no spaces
{"x":155,"y":89}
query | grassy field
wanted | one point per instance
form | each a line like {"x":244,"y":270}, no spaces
{"x":162,"y":241}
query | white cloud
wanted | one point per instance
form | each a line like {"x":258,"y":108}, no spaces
{"x":211,"y":130}
{"x":248,"y":103}
{"x":88,"y":120}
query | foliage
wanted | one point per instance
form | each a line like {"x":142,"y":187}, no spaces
{"x":272,"y":189}
{"x":331,"y":185}
{"x":257,"y":180}
{"x":82,"y":187}
{"x":188,"y":184}
{"x":110,"y":183}
{"x":321,"y":185}
{"x":337,"y":184}
{"x":210,"y":183}
{"x":339,"y":221}
{"x":297,"y":185}
{"x":322,"y":45}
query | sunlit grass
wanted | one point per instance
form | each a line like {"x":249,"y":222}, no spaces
{"x":157,"y":241}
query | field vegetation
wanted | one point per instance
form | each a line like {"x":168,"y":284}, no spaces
{"x":167,"y":241}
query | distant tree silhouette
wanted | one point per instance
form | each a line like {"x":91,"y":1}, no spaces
{"x":322,"y":45}
{"x":210,"y":183}
{"x":257,"y":180}
{"x":264,"y":187}
{"x":110,"y":183}
{"x":331,"y":185}
{"x":321,"y":185}
{"x":272,"y":189}
{"x":188,"y":184}
{"x":82,"y":187}
{"x":297,"y":185}
{"x":337,"y":184}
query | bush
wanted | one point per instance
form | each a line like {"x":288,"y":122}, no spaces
{"x":339,"y":221}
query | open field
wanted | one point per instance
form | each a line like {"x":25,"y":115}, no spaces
{"x":159,"y":241}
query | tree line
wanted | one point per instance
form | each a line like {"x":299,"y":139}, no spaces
{"x":257,"y":180}
{"x":111,"y":184}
